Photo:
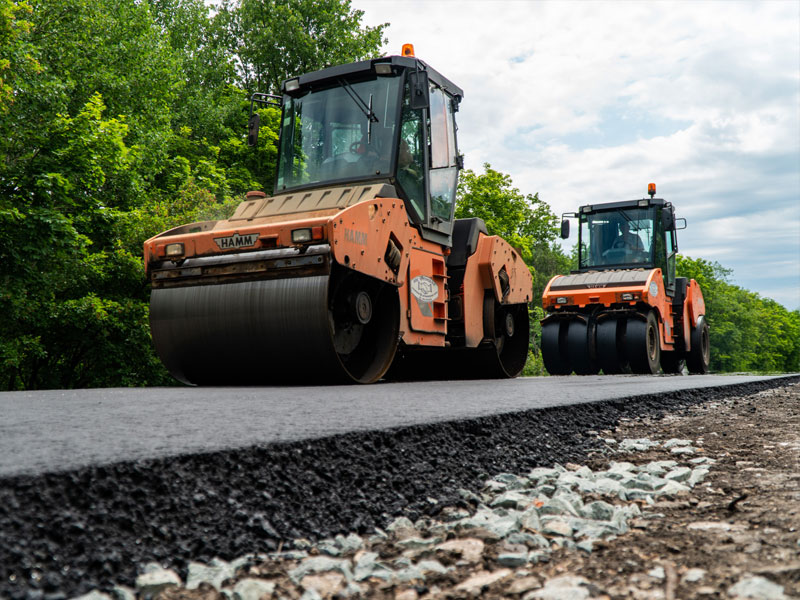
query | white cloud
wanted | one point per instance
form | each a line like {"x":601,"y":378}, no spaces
{"x":590,"y":101}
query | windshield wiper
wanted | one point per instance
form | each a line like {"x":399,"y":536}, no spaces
{"x":365,"y":108}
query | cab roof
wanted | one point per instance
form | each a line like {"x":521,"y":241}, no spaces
{"x":331,"y":74}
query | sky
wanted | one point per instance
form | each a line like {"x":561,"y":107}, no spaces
{"x":588,"y":102}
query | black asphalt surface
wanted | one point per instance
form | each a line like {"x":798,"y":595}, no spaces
{"x":228,"y":472}
{"x":47,"y":431}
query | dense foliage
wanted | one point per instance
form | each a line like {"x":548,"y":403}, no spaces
{"x":120,"y":119}
{"x":748,"y":332}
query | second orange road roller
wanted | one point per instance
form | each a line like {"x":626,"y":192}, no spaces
{"x":354,"y":265}
{"x":624,"y":309}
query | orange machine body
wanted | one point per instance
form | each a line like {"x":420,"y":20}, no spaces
{"x":363,"y":231}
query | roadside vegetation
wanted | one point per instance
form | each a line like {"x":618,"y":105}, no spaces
{"x":120,"y":119}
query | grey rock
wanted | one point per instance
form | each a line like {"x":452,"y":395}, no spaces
{"x":402,"y":527}
{"x":252,"y":589}
{"x":121,"y":592}
{"x":416,"y":543}
{"x":540,"y":474}
{"x":329,"y":547}
{"x":697,"y":476}
{"x":757,"y":588}
{"x":593,"y":529}
{"x":499,"y":525}
{"x":683,"y":450}
{"x":155,"y":580}
{"x":512,"y":559}
{"x":675,"y":442}
{"x":598,"y":510}
{"x":94,"y":595}
{"x":558,"y":505}
{"x":321,"y":564}
{"x":658,"y":467}
{"x":702,"y":460}
{"x":494,"y":487}
{"x":368,"y":566}
{"x":672,"y":488}
{"x":693,"y":575}
{"x":530,"y":520}
{"x":512,"y":481}
{"x":611,"y":487}
{"x":215,"y":572}
{"x":568,"y":480}
{"x":530,"y":540}
{"x":679,"y":474}
{"x":585,"y":545}
{"x":557,"y":527}
{"x":350,"y":544}
{"x":636,"y":494}
{"x":408,"y":574}
{"x":432,"y":566}
{"x":546,"y":489}
{"x":636,"y":445}
{"x":657,"y":573}
{"x":567,"y":587}
{"x":510,"y":499}
{"x":539,"y":556}
{"x":563,"y":542}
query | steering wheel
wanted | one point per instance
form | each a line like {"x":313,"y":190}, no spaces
{"x":358,"y":147}
{"x":621,"y":244}
{"x":614,"y":255}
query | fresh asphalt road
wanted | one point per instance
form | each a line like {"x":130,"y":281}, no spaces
{"x":56,"y":430}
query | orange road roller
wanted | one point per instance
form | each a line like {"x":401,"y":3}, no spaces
{"x":354,"y":266}
{"x":624,"y":310}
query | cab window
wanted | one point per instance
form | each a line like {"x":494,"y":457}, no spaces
{"x":443,"y":172}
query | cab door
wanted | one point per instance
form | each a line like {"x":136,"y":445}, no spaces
{"x":443,"y":169}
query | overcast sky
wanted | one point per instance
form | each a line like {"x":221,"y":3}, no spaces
{"x":588,"y":102}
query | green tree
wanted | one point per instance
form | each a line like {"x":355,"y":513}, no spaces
{"x":16,"y":51}
{"x":748,"y":332}
{"x":276,"y":39}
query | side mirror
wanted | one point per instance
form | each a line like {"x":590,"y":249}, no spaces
{"x":680,"y":223}
{"x":668,"y":220}
{"x":420,"y":92}
{"x":564,"y":229}
{"x":252,"y":129}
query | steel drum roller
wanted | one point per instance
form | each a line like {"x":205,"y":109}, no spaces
{"x":272,"y":331}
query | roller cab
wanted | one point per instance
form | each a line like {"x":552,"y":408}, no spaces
{"x":623,"y":309}
{"x":354,"y":264}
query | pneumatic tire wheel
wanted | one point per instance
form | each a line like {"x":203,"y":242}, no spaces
{"x":580,"y":347}
{"x":643,"y":344}
{"x":699,"y":357}
{"x":554,"y":348}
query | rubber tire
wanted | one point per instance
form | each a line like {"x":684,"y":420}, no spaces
{"x":610,"y":356}
{"x":643,"y":345}
{"x":580,"y":341}
{"x":672,"y":362}
{"x":554,"y":348}
{"x":699,"y":357}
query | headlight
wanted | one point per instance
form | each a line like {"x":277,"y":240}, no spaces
{"x":174,"y":250}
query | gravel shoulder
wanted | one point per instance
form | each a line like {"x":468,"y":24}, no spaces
{"x":736,"y":534}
